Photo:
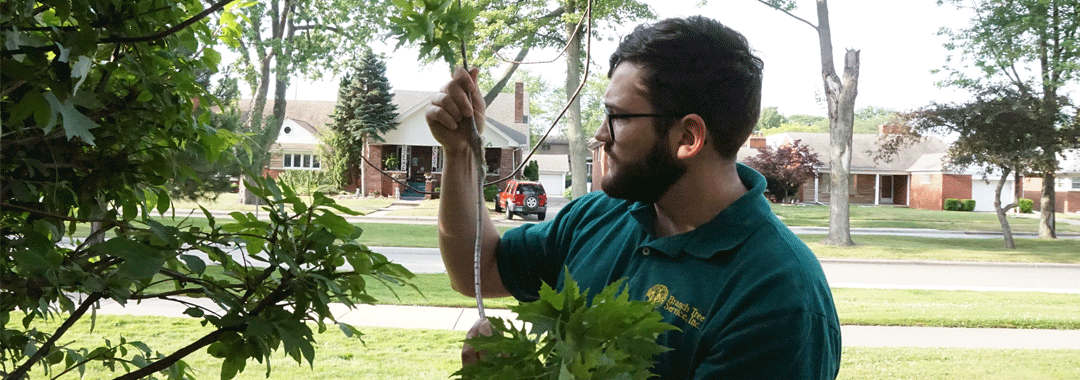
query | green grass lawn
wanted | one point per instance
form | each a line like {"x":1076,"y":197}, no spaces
{"x":903,"y":217}
{"x":801,"y":215}
{"x":869,"y":246}
{"x":945,"y":249}
{"x":229,"y":202}
{"x":410,"y":354}
{"x":874,"y":307}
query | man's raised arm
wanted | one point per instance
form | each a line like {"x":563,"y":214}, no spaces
{"x":450,"y":118}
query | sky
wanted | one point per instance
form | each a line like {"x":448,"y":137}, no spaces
{"x":898,"y":42}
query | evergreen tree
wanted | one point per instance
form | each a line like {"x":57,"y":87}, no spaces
{"x":365,"y":110}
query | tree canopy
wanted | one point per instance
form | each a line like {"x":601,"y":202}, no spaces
{"x":785,"y":168}
{"x":1033,"y":47}
{"x":103,"y":108}
{"x":995,"y":134}
{"x":365,"y":110}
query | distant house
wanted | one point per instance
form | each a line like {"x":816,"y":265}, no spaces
{"x":408,"y":153}
{"x":881,"y":182}
{"x":553,"y":161}
{"x":916,"y":177}
{"x":1067,"y":184}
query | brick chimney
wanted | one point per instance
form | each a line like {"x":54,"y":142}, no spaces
{"x":756,"y":141}
{"x":519,"y":102}
{"x":891,"y":129}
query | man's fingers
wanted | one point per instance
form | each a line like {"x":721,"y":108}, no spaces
{"x":469,"y":355}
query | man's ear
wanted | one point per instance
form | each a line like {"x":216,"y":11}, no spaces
{"x":692,"y":141}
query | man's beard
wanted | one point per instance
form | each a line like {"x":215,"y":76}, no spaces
{"x":646,"y":179}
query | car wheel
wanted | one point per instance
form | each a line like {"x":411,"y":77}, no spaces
{"x":540,"y":216}
{"x":509,"y":214}
{"x":532,"y":202}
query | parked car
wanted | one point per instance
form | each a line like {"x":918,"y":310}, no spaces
{"x":522,"y":198}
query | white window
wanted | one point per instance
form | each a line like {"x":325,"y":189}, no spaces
{"x":300,"y":161}
{"x":1076,"y":183}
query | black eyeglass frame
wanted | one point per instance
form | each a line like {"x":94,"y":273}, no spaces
{"x":612,"y":116}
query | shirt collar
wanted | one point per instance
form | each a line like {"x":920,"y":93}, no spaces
{"x":727,"y":230}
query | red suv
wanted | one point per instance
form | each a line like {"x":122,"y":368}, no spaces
{"x":522,"y":198}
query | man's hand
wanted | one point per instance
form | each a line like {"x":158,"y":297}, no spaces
{"x":469,"y":355}
{"x":452,"y":108}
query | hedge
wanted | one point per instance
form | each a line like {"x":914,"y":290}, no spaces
{"x":952,"y":204}
{"x":1026,"y":205}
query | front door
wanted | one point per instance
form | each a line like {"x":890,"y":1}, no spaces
{"x":887,"y":189}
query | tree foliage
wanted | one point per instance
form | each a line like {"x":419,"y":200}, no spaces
{"x":102,"y":109}
{"x":365,"y":110}
{"x":867,"y":120}
{"x":785,"y":168}
{"x":279,"y":39}
{"x":1032,"y":46}
{"x":572,"y":337}
{"x":996,"y":133}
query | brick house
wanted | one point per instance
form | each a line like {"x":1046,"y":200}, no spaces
{"x":1067,"y":184}
{"x":409,"y":153}
{"x":916,"y":177}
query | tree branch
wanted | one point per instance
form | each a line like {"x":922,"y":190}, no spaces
{"x":176,"y":28}
{"x":153,"y":37}
{"x":167,"y":361}
{"x":45,"y":349}
{"x":789,"y":14}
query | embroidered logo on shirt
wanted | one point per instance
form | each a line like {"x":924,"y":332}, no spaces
{"x":659,"y":294}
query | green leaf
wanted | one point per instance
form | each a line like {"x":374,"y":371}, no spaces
{"x":75,"y":123}
{"x":140,"y":260}
{"x":145,"y":96}
{"x":194,"y":263}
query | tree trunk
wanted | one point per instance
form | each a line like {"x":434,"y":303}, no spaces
{"x":1001,"y":211}
{"x":841,"y":99}
{"x":574,"y":132}
{"x":1046,"y":207}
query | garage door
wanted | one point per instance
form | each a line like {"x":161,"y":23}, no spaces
{"x":983,"y":194}
{"x":554,"y":184}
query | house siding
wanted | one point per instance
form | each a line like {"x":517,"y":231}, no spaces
{"x":955,"y":186}
{"x":926,"y":196}
{"x":1064,"y":201}
{"x":862,"y":188}
{"x":932,"y":196}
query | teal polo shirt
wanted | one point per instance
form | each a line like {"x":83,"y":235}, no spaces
{"x":749,"y":298}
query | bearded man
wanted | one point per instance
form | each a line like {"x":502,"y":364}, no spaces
{"x":678,"y":217}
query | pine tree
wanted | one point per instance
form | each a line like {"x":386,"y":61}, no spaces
{"x":365,"y":110}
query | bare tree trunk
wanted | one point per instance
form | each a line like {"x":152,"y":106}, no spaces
{"x":841,"y":100}
{"x":574,"y":132}
{"x":1046,"y":207}
{"x":1001,"y":211}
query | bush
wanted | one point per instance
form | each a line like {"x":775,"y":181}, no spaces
{"x":967,"y":205}
{"x":531,"y":171}
{"x":568,"y":194}
{"x":308,"y":181}
{"x":952,"y":204}
{"x":490,"y":193}
{"x":1026,"y":205}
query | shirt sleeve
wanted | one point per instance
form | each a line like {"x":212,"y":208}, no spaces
{"x":791,"y":345}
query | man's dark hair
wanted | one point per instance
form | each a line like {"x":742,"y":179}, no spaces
{"x":697,"y":65}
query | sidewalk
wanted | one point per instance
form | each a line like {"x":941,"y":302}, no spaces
{"x":461,"y":319}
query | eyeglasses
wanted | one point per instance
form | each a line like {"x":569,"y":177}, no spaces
{"x":612,"y":116}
